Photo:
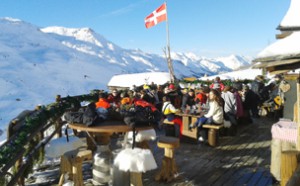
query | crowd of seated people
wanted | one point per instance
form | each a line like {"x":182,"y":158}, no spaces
{"x":237,"y":103}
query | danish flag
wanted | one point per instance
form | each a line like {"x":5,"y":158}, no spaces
{"x":157,"y":16}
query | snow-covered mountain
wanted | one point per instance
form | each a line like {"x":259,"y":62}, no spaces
{"x":36,"y":64}
{"x":234,"y":62}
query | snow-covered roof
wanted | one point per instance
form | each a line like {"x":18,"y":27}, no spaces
{"x":128,"y":80}
{"x":237,"y":75}
{"x":281,"y":56}
{"x":286,"y":46}
{"x":292,"y":17}
{"x":284,"y":54}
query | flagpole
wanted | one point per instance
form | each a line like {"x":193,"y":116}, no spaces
{"x":170,"y":65}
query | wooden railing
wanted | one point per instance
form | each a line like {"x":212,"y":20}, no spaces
{"x":25,"y":137}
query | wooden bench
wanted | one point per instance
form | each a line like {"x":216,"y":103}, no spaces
{"x":213,"y":133}
{"x":169,"y":170}
{"x":167,"y":122}
{"x":71,"y":162}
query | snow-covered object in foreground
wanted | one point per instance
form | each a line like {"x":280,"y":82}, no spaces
{"x":135,"y":160}
{"x":57,"y":147}
{"x":143,"y":135}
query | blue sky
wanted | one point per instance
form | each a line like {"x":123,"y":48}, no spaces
{"x":210,"y":28}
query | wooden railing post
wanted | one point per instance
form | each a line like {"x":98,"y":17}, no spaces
{"x":58,"y":128}
{"x":57,"y":98}
{"x":289,"y":164}
{"x":18,"y":165}
{"x":58,"y":120}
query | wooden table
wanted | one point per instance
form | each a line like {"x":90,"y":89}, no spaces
{"x":104,"y":130}
{"x":187,"y":119}
{"x":100,"y":135}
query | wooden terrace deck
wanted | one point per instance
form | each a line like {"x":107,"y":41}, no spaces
{"x":240,"y":160}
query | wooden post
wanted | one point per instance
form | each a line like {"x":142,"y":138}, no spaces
{"x":169,"y":60}
{"x":77,"y":171}
{"x":65,"y":167}
{"x":58,"y":125}
{"x":38,"y":107}
{"x":143,"y":145}
{"x":19,"y":163}
{"x":298,"y":113}
{"x":57,"y":98}
{"x":212,"y":137}
{"x":136,"y":179}
{"x":103,"y":138}
{"x":288,"y":165}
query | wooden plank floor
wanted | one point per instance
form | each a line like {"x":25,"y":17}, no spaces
{"x":240,"y":160}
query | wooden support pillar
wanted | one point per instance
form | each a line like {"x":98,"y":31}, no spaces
{"x":103,"y":138}
{"x":212,"y":137}
{"x":143,"y":145}
{"x":298,"y":113}
{"x":136,"y":179}
{"x":77,"y":171}
{"x":288,"y":165}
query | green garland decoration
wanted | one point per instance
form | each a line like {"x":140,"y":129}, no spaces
{"x":226,"y":82}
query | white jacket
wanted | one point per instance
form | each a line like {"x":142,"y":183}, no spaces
{"x":216,"y":112}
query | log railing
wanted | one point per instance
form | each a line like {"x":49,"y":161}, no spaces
{"x":26,"y":138}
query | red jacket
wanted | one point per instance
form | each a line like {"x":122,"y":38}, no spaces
{"x":144,"y":103}
{"x":221,"y":85}
{"x":103,"y":103}
{"x":201,"y":97}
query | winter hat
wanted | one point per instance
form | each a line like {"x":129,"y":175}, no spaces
{"x":171,"y":86}
{"x":146,"y":87}
{"x":125,"y":100}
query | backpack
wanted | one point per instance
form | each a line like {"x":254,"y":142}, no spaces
{"x":138,"y":116}
{"x":141,"y":116}
{"x":87,"y":116}
{"x":90,"y":115}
